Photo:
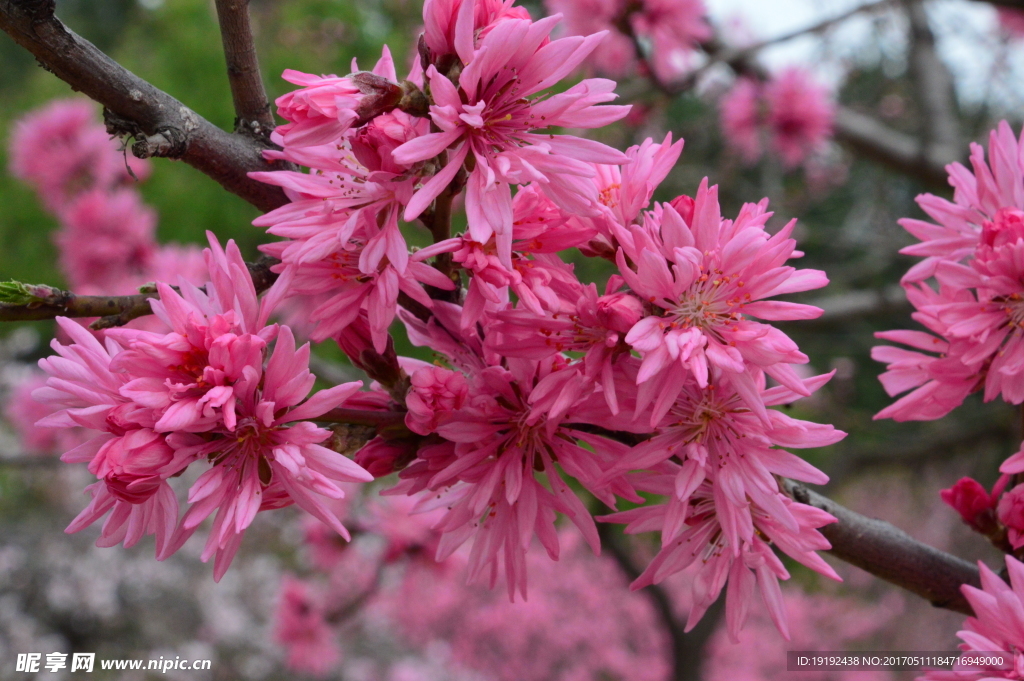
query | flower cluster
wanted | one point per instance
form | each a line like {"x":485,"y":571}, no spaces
{"x":790,"y":115}
{"x":672,"y":31}
{"x":548,"y":395}
{"x":107,"y":240}
{"x":209,"y":390}
{"x":973,"y":310}
{"x":995,"y":628}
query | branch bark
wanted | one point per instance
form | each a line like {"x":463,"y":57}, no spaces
{"x":891,"y":554}
{"x":112,"y":310}
{"x":160,"y":124}
{"x":252,"y":110}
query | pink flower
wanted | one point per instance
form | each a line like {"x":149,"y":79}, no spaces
{"x":492,"y":111}
{"x":188,"y":376}
{"x":507,"y":433}
{"x":675,"y":28}
{"x":62,"y":151}
{"x":799,"y":115}
{"x":742,"y":563}
{"x":940,"y":383}
{"x":702,"y":281}
{"x":740,"y":112}
{"x":715,"y":435}
{"x":590,"y":324}
{"x":978,"y":197}
{"x":625,"y":191}
{"x":976,"y":506}
{"x":345,"y":252}
{"x":1011,"y":514}
{"x":434,"y":395}
{"x":301,"y":628}
{"x":270,"y":456}
{"x":327,"y":106}
{"x":449,"y":26}
{"x":360,"y":274}
{"x":791,"y":112}
{"x":108,"y":241}
{"x":616,"y":55}
{"x":132,"y":462}
{"x":995,"y":628}
{"x":23,"y":412}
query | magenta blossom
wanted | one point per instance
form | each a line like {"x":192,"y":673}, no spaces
{"x":271,"y":458}
{"x":744,"y":564}
{"x":131,"y":461}
{"x":740,"y":112}
{"x":301,"y":628}
{"x":978,"y":197}
{"x":487,"y":471}
{"x":217,"y":339}
{"x":702,"y":282}
{"x":616,"y":55}
{"x":63,"y":151}
{"x":492,"y":112}
{"x":799,"y":115}
{"x":791,"y":112}
{"x":995,"y":628}
{"x":715,"y":435}
{"x":975,"y":505}
{"x":675,"y":28}
{"x":326,"y":107}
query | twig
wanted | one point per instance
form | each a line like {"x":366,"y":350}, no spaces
{"x":361,"y":417}
{"x":252,"y":110}
{"x":891,"y":554}
{"x":738,"y":54}
{"x":160,"y":124}
{"x":933,"y":85}
{"x":901,"y":152}
{"x":112,"y":310}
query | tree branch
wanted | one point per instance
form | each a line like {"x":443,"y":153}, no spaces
{"x":933,"y":85}
{"x":111,"y":310}
{"x":869,"y":137}
{"x":252,"y":110}
{"x":901,"y":152}
{"x":161,"y":125}
{"x":891,"y":554}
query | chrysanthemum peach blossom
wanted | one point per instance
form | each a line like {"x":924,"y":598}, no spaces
{"x":799,"y":115}
{"x":702,"y":281}
{"x":132,"y":461}
{"x":493,"y":112}
{"x":62,"y":150}
{"x":995,"y":628}
{"x":270,"y":456}
{"x":616,"y":55}
{"x":715,"y":435}
{"x":994,"y":185}
{"x":743,"y":564}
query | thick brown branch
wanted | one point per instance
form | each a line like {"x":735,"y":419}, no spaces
{"x":252,"y":110}
{"x":112,"y":310}
{"x":891,"y":554}
{"x":161,"y":124}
